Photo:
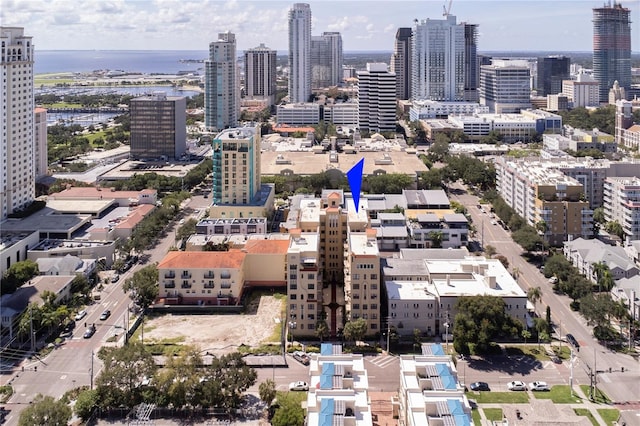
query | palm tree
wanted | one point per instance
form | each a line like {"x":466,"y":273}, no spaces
{"x":534,"y":295}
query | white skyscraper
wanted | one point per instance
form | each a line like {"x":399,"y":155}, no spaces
{"x":221,"y":95}
{"x":438,"y":60}
{"x":299,"y":52}
{"x":17,"y":168}
{"x":377,"y":99}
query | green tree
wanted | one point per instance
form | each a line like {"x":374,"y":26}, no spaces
{"x":322,"y":330}
{"x":614,"y":228}
{"x":575,"y":286}
{"x":559,"y":266}
{"x":86,"y":402}
{"x":439,"y":148}
{"x":526,"y":334}
{"x":187,"y":229}
{"x":490,"y":251}
{"x":392,"y":183}
{"x":436,"y":239}
{"x":432,"y":179}
{"x":45,"y":411}
{"x":18,"y":274}
{"x":124,"y":369}
{"x":179,"y":382}
{"x":355,"y":329}
{"x":267,"y":391}
{"x":143,"y":285}
{"x":225,"y":381}
{"x":534,"y":294}
{"x":479,"y":320}
{"x":604,"y":277}
{"x":290,"y":412}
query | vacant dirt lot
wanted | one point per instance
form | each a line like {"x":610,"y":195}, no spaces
{"x":219,"y":334}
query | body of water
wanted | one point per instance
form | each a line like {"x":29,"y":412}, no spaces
{"x":123,"y":90}
{"x":142,"y":61}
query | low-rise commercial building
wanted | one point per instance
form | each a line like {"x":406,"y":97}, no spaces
{"x":424,"y":109}
{"x":300,"y":113}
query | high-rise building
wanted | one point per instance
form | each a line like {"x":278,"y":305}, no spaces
{"x":221,"y":95}
{"x":438,"y":60}
{"x":40,"y":154}
{"x":260,"y":73}
{"x":583,"y":91}
{"x":611,"y":47}
{"x":471,"y":65}
{"x":622,"y":204}
{"x":158,"y":127}
{"x":401,"y":63}
{"x":299,"y":53}
{"x":326,"y":60}
{"x":505,"y":86}
{"x":551,"y":71}
{"x":17,"y":174}
{"x":236,"y":165}
{"x":377,"y":99}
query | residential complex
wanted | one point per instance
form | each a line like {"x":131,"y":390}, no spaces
{"x":430,"y":390}
{"x":377,"y":99}
{"x":260,"y":74}
{"x":338,"y":389}
{"x":237,"y":190}
{"x":222,"y":91}
{"x":299,"y":53}
{"x":505,"y":86}
{"x":17,"y":175}
{"x":401,"y":64}
{"x":158,"y":127}
{"x":326,"y":60}
{"x":422,"y":288}
{"x":622,"y":204}
{"x":438,"y":59}
{"x":545,"y":196}
{"x":611,"y":47}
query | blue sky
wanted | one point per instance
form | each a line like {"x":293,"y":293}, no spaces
{"x":365,"y":25}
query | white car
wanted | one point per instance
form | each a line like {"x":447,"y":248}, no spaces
{"x":539,"y":386}
{"x":81,"y":315}
{"x":298,"y":386}
{"x":517,"y":385}
{"x":553,"y":279}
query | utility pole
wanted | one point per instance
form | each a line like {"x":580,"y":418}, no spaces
{"x":91,"y":372}
{"x":595,"y":377}
{"x":33,"y":343}
{"x":388,"y":332}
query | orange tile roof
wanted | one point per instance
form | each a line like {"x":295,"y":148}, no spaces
{"x":135,"y":216}
{"x":267,"y":246}
{"x":202,"y":260}
{"x":634,"y":128}
{"x":39,"y":109}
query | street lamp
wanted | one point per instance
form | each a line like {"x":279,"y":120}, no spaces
{"x":446,"y":336}
{"x":292,"y":326}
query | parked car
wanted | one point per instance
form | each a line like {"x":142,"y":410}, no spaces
{"x":298,"y":386}
{"x":539,"y":386}
{"x":572,"y":340}
{"x":81,"y":315}
{"x":553,"y":279}
{"x":115,"y":278}
{"x":479,"y":386}
{"x":301,"y":357}
{"x":89,"y":332}
{"x":517,"y":385}
{"x":106,"y":314}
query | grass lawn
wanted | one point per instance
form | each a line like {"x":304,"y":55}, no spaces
{"x":52,"y":81}
{"x":93,"y":136}
{"x":559,"y":394}
{"x":475,"y":416}
{"x":609,"y":415}
{"x":528,"y":350}
{"x":499,"y":397}
{"x":600,"y":397}
{"x":585,"y":412}
{"x":563,"y":352}
{"x":493,"y":414}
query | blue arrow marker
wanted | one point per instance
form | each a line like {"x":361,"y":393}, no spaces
{"x":355,"y":182}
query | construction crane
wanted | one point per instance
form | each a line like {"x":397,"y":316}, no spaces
{"x":446,"y":11}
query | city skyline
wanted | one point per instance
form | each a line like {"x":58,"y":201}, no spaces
{"x":364,"y":25}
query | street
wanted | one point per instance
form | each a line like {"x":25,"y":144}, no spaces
{"x":618,"y":385}
{"x":70,"y":365}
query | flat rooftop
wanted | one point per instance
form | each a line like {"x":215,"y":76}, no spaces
{"x":307,"y":163}
{"x":47,"y":220}
{"x":130,"y":168}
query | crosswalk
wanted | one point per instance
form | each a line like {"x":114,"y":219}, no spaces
{"x":382,"y":360}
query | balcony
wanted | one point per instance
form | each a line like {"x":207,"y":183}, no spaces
{"x":170,"y":274}
{"x":185,"y":275}
{"x":209,"y":275}
{"x":185,"y":284}
{"x":210,"y":284}
{"x":170,"y":284}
